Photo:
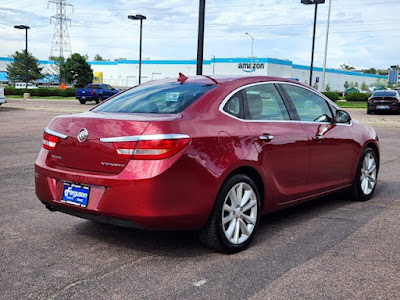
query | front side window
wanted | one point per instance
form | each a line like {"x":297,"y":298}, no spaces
{"x":166,"y":98}
{"x":265,"y":103}
{"x":309,"y":106}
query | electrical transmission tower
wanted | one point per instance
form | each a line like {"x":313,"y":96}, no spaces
{"x":61,"y":45}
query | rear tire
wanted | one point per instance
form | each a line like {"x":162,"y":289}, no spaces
{"x":369,"y":112}
{"x":99,"y":99}
{"x":235,"y":216}
{"x":366,"y":178}
{"x":82,"y":101}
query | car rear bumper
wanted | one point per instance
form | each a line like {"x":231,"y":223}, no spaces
{"x":86,"y":97}
{"x":169,"y":198}
{"x":384,"y":107}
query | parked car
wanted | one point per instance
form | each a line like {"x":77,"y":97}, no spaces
{"x":385,"y":100}
{"x":204,"y":153}
{"x":95,"y":92}
{"x":2,"y":96}
{"x":22,"y":85}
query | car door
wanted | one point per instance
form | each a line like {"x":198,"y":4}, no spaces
{"x":106,"y":91}
{"x":331,"y":144}
{"x":282,"y":144}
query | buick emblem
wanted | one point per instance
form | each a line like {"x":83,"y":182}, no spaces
{"x":83,"y":135}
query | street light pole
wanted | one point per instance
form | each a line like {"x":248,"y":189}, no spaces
{"x":213,"y":56}
{"x":200,"y":37}
{"x":141,"y":18}
{"x":316,"y":2}
{"x":252,"y":52}
{"x":26,"y":53}
{"x":326,"y":46}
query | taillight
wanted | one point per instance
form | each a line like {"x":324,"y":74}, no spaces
{"x":75,"y":93}
{"x":149,"y":147}
{"x":50,"y":141}
{"x":92,"y":92}
{"x":51,"y":138}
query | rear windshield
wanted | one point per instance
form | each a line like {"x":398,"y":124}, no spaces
{"x":385,"y":94}
{"x":166,"y":98}
{"x":93,"y":86}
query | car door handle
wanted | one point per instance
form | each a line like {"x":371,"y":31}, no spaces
{"x":266,"y":137}
{"x":318,"y":138}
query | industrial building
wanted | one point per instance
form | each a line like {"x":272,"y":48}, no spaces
{"x":124,"y":73}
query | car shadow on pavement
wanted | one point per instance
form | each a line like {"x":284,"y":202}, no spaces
{"x":187,"y":243}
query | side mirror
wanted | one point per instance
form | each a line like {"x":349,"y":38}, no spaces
{"x":342,"y":117}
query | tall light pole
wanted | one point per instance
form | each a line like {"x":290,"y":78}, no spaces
{"x":141,"y":18}
{"x":252,"y":50}
{"x":326,"y":45}
{"x":213,"y":56}
{"x":316,"y":2}
{"x":26,"y":53}
{"x":200,"y":37}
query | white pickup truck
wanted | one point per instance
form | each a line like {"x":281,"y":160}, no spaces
{"x":2,"y":96}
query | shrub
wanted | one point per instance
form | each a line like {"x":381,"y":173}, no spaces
{"x":41,"y":92}
{"x":357,"y":97}
{"x":332,"y":95}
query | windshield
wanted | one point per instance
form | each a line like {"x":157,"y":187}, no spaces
{"x":385,"y":94}
{"x":166,"y":98}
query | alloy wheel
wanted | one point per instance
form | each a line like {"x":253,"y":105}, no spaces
{"x":239,"y":213}
{"x":368,"y":174}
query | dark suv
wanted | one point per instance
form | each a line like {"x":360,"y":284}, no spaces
{"x":380,"y":101}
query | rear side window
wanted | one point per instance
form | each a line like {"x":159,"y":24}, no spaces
{"x":265,"y":103}
{"x":309,"y":106}
{"x":167,"y":98}
{"x":93,"y":86}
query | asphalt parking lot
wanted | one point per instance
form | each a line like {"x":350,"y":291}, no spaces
{"x":330,"y":248}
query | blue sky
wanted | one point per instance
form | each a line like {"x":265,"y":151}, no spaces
{"x":364,"y":33}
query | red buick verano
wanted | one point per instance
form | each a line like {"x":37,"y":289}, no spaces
{"x":204,"y":153}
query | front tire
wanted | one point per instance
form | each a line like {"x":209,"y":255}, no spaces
{"x":235,"y":216}
{"x":366,"y":178}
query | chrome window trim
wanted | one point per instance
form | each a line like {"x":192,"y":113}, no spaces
{"x":55,"y":133}
{"x":148,"y":137}
{"x":226,"y":99}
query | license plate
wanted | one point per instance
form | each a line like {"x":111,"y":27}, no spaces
{"x":75,"y":194}
{"x":83,"y":97}
{"x":382,"y":107}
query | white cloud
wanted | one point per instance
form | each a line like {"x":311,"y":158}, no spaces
{"x":363,"y":33}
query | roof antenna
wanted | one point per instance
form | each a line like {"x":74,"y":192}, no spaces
{"x":182,"y":78}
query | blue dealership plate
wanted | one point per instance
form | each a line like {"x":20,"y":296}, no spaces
{"x":75,"y":194}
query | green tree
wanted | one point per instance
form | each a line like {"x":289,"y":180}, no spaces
{"x":347,"y":67}
{"x":346,"y":85}
{"x":59,"y":63}
{"x":370,"y":71}
{"x":356,"y":84}
{"x":327,"y":87}
{"x":16,"y":69}
{"x":98,"y":57}
{"x":351,"y":84}
{"x":364,"y":86}
{"x":77,"y":71}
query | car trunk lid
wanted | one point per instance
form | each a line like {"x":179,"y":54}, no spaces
{"x":88,"y":152}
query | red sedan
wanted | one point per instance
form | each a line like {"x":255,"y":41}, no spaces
{"x":204,"y":153}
